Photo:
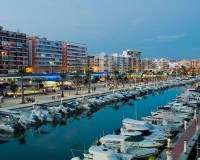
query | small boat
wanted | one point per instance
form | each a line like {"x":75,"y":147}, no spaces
{"x":100,"y":152}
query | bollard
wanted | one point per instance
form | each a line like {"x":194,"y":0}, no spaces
{"x":185,"y":145}
{"x":168,"y":143}
{"x":195,"y":114}
{"x":169,"y":155}
{"x":185,"y":125}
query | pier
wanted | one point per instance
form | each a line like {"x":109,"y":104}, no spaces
{"x":182,"y":145}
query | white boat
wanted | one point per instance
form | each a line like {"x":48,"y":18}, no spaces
{"x":142,"y":152}
{"x":6,"y":128}
{"x":100,"y":153}
{"x":124,"y":142}
{"x":125,"y":132}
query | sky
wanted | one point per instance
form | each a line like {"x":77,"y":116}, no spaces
{"x":158,"y":28}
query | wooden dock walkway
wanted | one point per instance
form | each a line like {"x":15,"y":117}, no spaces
{"x":178,"y":148}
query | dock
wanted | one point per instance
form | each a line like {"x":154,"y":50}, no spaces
{"x":189,"y":136}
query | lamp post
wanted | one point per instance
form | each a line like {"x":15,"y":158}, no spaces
{"x":32,"y":85}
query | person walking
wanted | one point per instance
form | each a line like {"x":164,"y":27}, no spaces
{"x":1,"y":99}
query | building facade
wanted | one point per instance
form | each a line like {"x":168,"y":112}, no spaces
{"x":77,"y":57}
{"x":13,"y":51}
{"x":47,"y":56}
{"x":126,"y":62}
{"x":189,"y":63}
{"x":132,"y":60}
{"x":155,"y":64}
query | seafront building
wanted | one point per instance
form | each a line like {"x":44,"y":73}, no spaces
{"x":40,"y":55}
{"x":14,"y":51}
{"x":47,"y":56}
{"x":155,"y":64}
{"x":76,"y":57}
{"x":189,"y":63}
{"x":132,"y":60}
{"x":128,"y":61}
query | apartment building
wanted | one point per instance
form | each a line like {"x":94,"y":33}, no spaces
{"x":132,"y":60}
{"x":45,"y":56}
{"x":48,"y":56}
{"x":90,"y":62}
{"x":148,"y":64}
{"x":189,"y":63}
{"x":118,"y":63}
{"x":13,"y":51}
{"x":128,"y":61}
{"x":155,"y":63}
{"x":76,"y":57}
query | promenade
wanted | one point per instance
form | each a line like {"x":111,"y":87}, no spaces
{"x":14,"y":103}
{"x":189,"y":134}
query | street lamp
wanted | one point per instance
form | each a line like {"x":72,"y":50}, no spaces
{"x":32,"y":85}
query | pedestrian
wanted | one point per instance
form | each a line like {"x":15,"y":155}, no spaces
{"x":1,"y":97}
{"x":94,"y":89}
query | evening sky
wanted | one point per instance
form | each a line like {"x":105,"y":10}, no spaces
{"x":157,"y":28}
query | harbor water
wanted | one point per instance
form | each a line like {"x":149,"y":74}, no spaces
{"x":54,"y":141}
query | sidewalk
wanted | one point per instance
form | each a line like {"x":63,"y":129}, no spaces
{"x":12,"y":103}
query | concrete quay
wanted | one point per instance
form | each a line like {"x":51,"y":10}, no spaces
{"x":15,"y":103}
{"x":12,"y":103}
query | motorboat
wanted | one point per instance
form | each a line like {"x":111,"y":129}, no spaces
{"x":125,"y":132}
{"x":100,"y":152}
{"x":6,"y":128}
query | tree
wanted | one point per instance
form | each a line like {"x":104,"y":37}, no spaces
{"x":14,"y":87}
{"x":75,"y":79}
{"x":62,"y":78}
{"x":107,"y":78}
{"x":129,"y":77}
{"x":21,"y":73}
{"x":183,"y":71}
{"x":115,"y":77}
{"x":39,"y":82}
{"x":88,"y":77}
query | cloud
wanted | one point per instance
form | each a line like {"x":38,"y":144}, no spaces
{"x":171,"y":37}
{"x":166,"y":37}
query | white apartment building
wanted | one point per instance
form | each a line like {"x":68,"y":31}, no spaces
{"x":132,"y":60}
{"x":76,"y":57}
{"x":155,"y":63}
{"x":128,"y":61}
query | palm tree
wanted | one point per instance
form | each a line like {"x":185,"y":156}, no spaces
{"x":39,"y":83}
{"x":62,"y":78}
{"x":184,"y":70}
{"x":75,"y":79}
{"x":14,"y":88}
{"x":21,"y":73}
{"x":88,"y":77}
{"x":115,"y":77}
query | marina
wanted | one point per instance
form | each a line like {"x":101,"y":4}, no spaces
{"x":66,"y":131}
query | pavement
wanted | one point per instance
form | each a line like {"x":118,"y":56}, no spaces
{"x":14,"y":103}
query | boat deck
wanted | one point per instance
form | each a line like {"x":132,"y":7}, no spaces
{"x":178,"y":149}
